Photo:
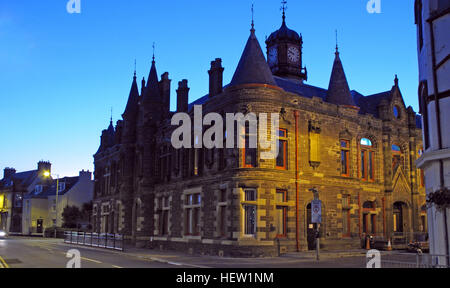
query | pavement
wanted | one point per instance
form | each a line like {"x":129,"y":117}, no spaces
{"x":22,"y":252}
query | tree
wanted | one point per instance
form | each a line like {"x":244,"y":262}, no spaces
{"x":71,"y":215}
{"x":86,"y":211}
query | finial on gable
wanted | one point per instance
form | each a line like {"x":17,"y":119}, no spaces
{"x":396,"y":80}
{"x":337,"y":46}
{"x":253,"y":22}
{"x":153,"y":51}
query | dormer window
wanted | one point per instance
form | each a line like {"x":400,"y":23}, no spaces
{"x":37,"y":189}
{"x":61,"y":187}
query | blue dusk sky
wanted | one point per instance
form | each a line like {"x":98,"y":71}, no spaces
{"x":61,"y":73}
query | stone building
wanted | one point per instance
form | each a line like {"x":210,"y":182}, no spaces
{"x":433,"y":26}
{"x":357,"y":151}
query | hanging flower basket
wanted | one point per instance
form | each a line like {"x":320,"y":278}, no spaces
{"x":440,"y":198}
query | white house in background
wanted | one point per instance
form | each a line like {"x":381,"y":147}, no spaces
{"x":39,"y":207}
{"x":433,"y":31}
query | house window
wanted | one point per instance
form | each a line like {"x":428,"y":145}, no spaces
{"x":249,"y":153}
{"x":345,"y":156}
{"x":17,"y":201}
{"x":222,"y":213}
{"x":37,"y":189}
{"x":250,"y":206}
{"x":192,"y":208}
{"x":282,"y":149}
{"x":281,"y":213}
{"x":367,"y":171}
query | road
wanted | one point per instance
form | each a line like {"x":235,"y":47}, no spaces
{"x":18,"y":252}
{"x":43,"y":253}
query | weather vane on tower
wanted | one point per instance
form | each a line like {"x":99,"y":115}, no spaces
{"x":284,"y":8}
{"x":253,"y":12}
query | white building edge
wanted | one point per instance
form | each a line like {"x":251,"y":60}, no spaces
{"x":433,"y":34}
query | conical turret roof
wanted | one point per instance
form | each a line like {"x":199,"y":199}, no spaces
{"x":133,"y":99}
{"x":253,"y":67}
{"x":338,"y":90}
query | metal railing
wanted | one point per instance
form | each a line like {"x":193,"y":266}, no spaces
{"x":417,"y":260}
{"x":100,"y":240}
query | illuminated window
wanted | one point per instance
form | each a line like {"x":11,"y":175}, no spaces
{"x":367,"y":171}
{"x":345,"y":157}
{"x":282,"y":149}
{"x":281,"y":213}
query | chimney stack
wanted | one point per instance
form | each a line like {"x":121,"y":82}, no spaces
{"x":86,"y":175}
{"x":44,"y":166}
{"x":8,"y":173}
{"x":215,"y":78}
{"x":183,"y":96}
{"x":165,"y":92}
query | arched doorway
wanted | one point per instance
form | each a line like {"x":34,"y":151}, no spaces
{"x":399,"y":219}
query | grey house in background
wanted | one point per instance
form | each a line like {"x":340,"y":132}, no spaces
{"x":39,"y":208}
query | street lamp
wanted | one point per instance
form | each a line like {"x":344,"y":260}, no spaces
{"x":47,"y":174}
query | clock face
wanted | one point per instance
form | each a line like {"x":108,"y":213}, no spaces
{"x":293,"y":55}
{"x":273,"y":55}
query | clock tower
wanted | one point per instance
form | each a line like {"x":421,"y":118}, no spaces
{"x":284,"y":52}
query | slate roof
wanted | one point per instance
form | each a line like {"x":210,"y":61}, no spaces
{"x":338,"y":90}
{"x":253,"y":67}
{"x":297,"y":87}
{"x":23,"y":178}
{"x":133,"y":99}
{"x":369,"y":104}
{"x":51,"y":190}
{"x":152,"y":89}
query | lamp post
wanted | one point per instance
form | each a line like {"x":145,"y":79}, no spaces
{"x":48,"y":174}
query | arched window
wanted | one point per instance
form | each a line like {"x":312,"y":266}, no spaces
{"x":420,"y":172}
{"x":397,"y":157}
{"x":367,"y":170}
{"x":396,"y":111}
